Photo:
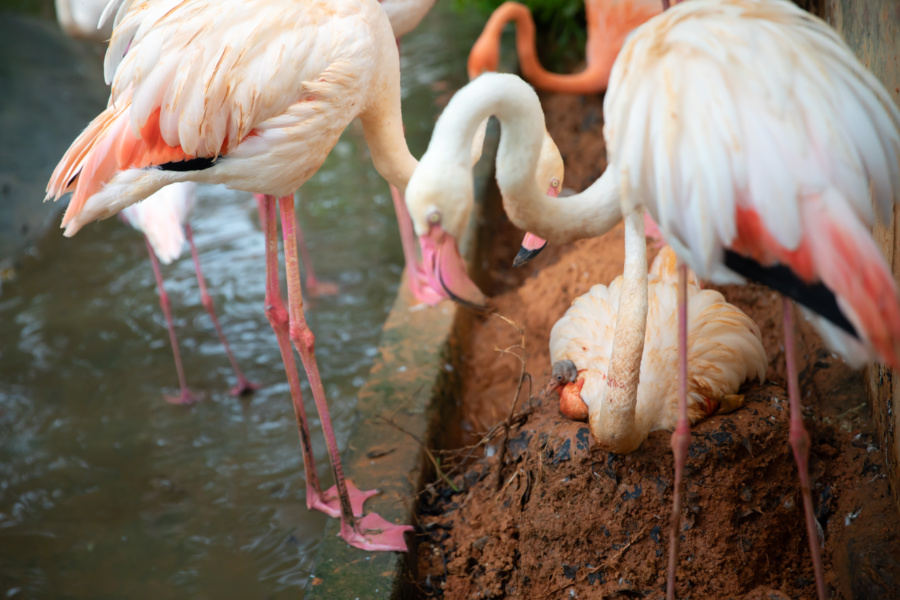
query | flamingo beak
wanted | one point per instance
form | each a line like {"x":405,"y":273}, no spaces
{"x":532,"y":244}
{"x":445,"y":268}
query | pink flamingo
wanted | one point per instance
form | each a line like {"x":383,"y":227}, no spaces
{"x":163,"y":219}
{"x":766,"y":174}
{"x":253,"y":94}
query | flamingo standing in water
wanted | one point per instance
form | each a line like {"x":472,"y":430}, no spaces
{"x":254,"y":94}
{"x":163,"y":219}
{"x":757,"y":173}
{"x":725,"y":350}
{"x":608,"y":23}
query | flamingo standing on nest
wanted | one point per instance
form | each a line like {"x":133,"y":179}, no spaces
{"x":764,"y":174}
{"x":725,"y":350}
{"x":163,"y":219}
{"x":608,"y":23}
{"x":254,"y":94}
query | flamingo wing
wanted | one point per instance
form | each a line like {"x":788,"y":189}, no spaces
{"x":196,"y":80}
{"x":748,"y":126}
{"x":162,"y":216}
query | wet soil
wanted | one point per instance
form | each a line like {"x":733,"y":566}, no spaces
{"x":560,"y":518}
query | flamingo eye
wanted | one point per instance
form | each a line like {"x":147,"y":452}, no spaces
{"x":434,"y":218}
{"x":554,"y":182}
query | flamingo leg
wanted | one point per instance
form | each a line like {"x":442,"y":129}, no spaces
{"x":418,"y":283}
{"x":800,"y":443}
{"x":278,"y":318}
{"x":244,"y":386}
{"x":681,"y":438}
{"x":314,"y":287}
{"x":371,"y":532}
{"x":185,"y":396}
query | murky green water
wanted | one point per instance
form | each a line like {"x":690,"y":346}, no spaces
{"x":106,"y":491}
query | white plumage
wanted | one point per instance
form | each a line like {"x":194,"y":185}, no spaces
{"x":725,"y":346}
{"x":162,"y":217}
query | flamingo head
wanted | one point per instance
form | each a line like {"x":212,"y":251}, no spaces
{"x":439,"y":206}
{"x":550,"y":172}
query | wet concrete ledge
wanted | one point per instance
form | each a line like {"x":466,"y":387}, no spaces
{"x":413,"y":382}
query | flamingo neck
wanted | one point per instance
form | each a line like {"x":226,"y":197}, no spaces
{"x":382,"y":120}
{"x":515,"y":104}
{"x":592,"y":80}
{"x":613,"y":419}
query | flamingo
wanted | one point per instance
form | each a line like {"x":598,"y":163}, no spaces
{"x":726,"y":350}
{"x":253,"y":94}
{"x":758,"y":174}
{"x":163,"y":219}
{"x":608,"y":23}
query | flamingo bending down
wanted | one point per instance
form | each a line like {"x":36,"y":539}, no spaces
{"x":253,"y":94}
{"x":163,"y":219}
{"x":737,"y":182}
{"x":608,"y":23}
{"x":725,"y":350}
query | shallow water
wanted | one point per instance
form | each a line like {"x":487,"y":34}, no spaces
{"x":106,"y":491}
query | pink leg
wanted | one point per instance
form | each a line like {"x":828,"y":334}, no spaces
{"x":314,"y":287}
{"x":418,"y":283}
{"x":278,"y":318}
{"x":800,"y":444}
{"x":185,"y":396}
{"x":244,"y":386}
{"x":681,"y":439}
{"x":370,"y":532}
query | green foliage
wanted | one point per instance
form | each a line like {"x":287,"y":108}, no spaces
{"x":561,"y":33}
{"x":42,"y":8}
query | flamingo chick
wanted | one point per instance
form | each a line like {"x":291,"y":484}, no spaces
{"x":608,"y":23}
{"x":163,"y":219}
{"x":725,"y":351}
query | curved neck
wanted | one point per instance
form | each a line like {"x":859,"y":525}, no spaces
{"x":515,"y":104}
{"x":382,"y":120}
{"x":613,"y":421}
{"x":592,"y":80}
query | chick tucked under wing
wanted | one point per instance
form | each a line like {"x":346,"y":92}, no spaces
{"x":725,"y":347}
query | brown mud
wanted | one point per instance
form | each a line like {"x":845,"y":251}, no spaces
{"x":562,"y":519}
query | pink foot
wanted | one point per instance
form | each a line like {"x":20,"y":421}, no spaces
{"x":329,"y":503}
{"x":374,"y":533}
{"x":185,"y":398}
{"x":244,"y":386}
{"x":317,"y":288}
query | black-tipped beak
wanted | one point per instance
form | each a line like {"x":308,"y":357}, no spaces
{"x":531,"y":247}
{"x":525,"y":255}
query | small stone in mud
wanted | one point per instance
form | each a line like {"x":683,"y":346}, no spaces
{"x":481,"y":542}
{"x":517,"y":446}
{"x":638,"y":490}
{"x":654,"y":533}
{"x":721,"y":437}
{"x":569,"y":572}
{"x":562,"y":454}
{"x":583,"y":439}
{"x":746,"y":493}
{"x":596,"y":577}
